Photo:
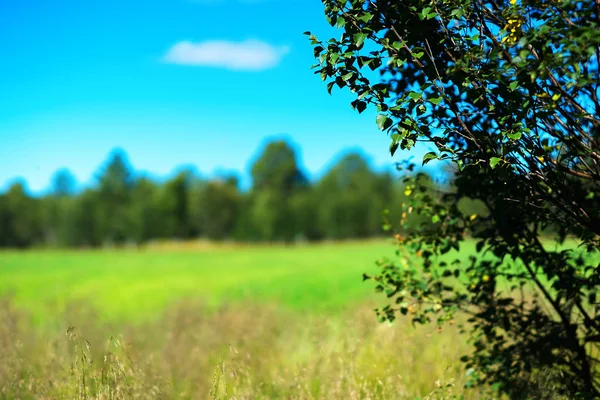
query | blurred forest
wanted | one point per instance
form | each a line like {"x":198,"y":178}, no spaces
{"x":281,"y":206}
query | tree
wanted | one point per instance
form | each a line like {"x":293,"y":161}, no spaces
{"x":83,"y":225}
{"x":269,"y":213}
{"x":174,"y":206}
{"x":142,"y":213}
{"x":63,"y":183}
{"x":277,"y":169}
{"x":508,"y":92}
{"x":304,"y":207}
{"x":351,"y":198}
{"x":219,"y":205}
{"x":276,"y":177}
{"x":20,"y":217}
{"x":114,"y":190}
{"x":5,"y":222}
{"x":55,"y":207}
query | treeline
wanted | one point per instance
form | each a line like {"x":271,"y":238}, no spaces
{"x":282,"y":205}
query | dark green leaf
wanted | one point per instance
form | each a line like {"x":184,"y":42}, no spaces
{"x":429,"y":156}
{"x":383,"y":122}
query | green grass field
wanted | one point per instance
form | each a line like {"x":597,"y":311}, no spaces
{"x":137,"y":284}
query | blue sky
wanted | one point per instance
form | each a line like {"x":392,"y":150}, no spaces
{"x":172,"y":82}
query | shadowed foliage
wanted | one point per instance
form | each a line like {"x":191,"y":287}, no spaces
{"x":507,"y":91}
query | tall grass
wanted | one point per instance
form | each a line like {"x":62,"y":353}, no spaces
{"x":242,"y":352}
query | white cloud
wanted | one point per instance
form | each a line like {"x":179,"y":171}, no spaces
{"x":249,"y":55}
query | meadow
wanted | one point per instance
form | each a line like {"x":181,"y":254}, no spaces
{"x":195,"y":322}
{"x":134,"y":285}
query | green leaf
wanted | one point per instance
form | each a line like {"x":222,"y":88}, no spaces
{"x":366,"y":17}
{"x":383,"y":122}
{"x":494,"y":161}
{"x":435,"y":219}
{"x":381,"y":119}
{"x":330,"y":86}
{"x":436,"y":101}
{"x":429,"y":156}
{"x":408,"y":143}
{"x":359,"y":39}
{"x":362,"y":61}
{"x":513,"y":85}
{"x":415,"y":96}
{"x":346,"y":77}
{"x":515,"y":135}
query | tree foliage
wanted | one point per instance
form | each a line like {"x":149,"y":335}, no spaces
{"x":277,"y":168}
{"x":20,"y":217}
{"x":123,"y":207}
{"x":508,"y":92}
{"x":115,"y":182}
{"x":276,"y":178}
{"x":346,"y":201}
{"x":220,"y":203}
